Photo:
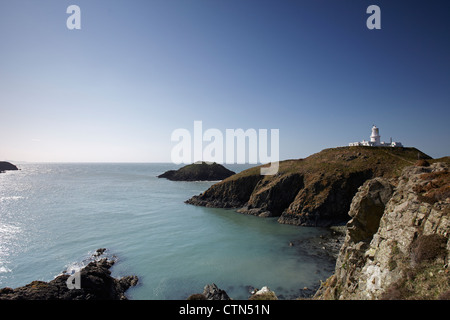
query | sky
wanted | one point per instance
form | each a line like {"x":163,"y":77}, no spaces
{"x":116,"y":89}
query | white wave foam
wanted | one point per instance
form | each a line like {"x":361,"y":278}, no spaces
{"x":2,"y":199}
{"x":4,"y":269}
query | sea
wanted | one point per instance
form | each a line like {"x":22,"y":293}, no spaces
{"x":54,"y":216}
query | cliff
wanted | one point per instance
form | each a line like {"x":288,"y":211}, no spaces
{"x":315,"y":191}
{"x":7,"y":166}
{"x":198,"y":172}
{"x":397,"y":242}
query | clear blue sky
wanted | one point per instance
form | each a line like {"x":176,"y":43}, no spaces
{"x":137,"y":70}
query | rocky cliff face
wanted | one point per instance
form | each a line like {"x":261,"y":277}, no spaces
{"x":397,"y":243}
{"x":316,"y":191}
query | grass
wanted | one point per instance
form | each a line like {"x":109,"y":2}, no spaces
{"x":387,"y":162}
{"x":430,"y":281}
{"x":329,"y":174}
{"x":428,"y":248}
{"x":427,"y":277}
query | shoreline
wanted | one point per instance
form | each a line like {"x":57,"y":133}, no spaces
{"x":326,"y":245}
{"x":92,"y":281}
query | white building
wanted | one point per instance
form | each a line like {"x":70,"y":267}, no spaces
{"x":375,"y":141}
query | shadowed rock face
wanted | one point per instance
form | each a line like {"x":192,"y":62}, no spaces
{"x":96,"y":283}
{"x":316,"y":191}
{"x":367,"y":208}
{"x":198,"y":172}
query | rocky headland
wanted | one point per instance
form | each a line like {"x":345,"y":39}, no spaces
{"x":396,"y":244}
{"x":96,"y":283}
{"x":202,"y":171}
{"x":395,"y":203}
{"x":315,"y":191}
{"x":4,"y":166}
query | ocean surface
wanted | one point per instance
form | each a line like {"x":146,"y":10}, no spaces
{"x":54,"y":216}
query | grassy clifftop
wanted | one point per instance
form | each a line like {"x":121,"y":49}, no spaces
{"x":315,"y":191}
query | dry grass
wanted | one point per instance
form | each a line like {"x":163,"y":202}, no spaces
{"x":436,"y":188}
{"x":427,"y":277}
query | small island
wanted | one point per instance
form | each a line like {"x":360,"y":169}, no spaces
{"x":4,"y":166}
{"x":199,"y":171}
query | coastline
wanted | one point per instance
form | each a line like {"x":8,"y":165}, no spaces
{"x":426,"y":189}
{"x":92,"y":281}
{"x":324,"y":246}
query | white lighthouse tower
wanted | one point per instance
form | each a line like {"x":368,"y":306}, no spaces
{"x":375,"y":141}
{"x":375,"y":137}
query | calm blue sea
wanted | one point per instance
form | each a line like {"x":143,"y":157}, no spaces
{"x":53,"y":216}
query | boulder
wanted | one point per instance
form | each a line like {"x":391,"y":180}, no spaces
{"x":212,"y":292}
{"x":264,"y":294}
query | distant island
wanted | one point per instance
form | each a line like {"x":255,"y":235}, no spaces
{"x":4,"y":166}
{"x":201,"y":171}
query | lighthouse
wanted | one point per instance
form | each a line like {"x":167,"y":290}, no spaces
{"x":375,"y":137}
{"x":375,"y":141}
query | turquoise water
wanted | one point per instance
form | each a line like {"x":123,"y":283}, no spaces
{"x":54,"y":215}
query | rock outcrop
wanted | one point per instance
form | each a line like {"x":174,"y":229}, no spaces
{"x":316,"y":191}
{"x":95,"y":283}
{"x":4,"y":166}
{"x":397,"y":243}
{"x":264,"y":294}
{"x":198,"y":172}
{"x":210,"y":292}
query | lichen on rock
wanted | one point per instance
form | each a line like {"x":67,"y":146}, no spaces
{"x":407,"y":252}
